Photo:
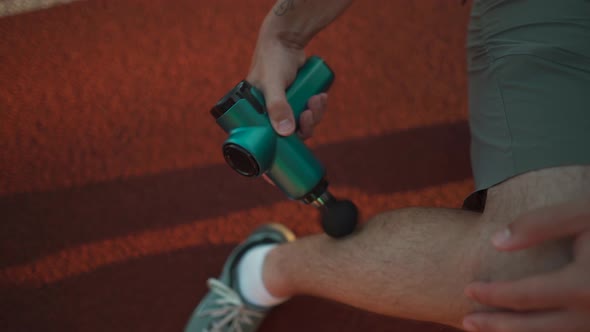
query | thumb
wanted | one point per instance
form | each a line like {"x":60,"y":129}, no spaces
{"x":279,"y":110}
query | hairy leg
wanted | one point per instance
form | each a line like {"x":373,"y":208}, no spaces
{"x":525,"y":193}
{"x":414,"y":263}
{"x":408,"y":263}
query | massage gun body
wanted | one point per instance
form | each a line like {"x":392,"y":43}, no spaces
{"x":253,"y":148}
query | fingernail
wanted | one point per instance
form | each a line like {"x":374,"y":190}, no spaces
{"x":285,"y":126}
{"x":316,"y":103}
{"x":324,"y":99}
{"x":501,"y":238}
{"x":469,"y":325}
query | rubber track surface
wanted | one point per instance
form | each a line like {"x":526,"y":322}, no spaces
{"x":115,"y":203}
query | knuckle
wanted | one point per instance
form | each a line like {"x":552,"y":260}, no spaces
{"x":275,"y":105}
{"x":278,"y":113}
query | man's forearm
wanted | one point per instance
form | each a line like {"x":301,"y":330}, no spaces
{"x":296,"y":22}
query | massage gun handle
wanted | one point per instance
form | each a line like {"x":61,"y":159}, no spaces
{"x":313,"y":77}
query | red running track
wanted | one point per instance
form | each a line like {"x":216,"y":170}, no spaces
{"x":115,"y":203}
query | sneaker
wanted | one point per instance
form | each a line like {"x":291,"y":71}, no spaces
{"x":223,"y":309}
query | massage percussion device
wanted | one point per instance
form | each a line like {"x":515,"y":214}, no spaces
{"x":253,"y":148}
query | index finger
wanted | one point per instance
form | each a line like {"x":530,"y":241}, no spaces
{"x":548,"y":223}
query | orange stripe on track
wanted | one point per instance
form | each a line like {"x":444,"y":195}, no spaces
{"x":230,"y":229}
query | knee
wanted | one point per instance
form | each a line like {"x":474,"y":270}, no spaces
{"x":495,"y":265}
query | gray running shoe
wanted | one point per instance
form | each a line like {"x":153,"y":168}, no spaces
{"x":223,"y":309}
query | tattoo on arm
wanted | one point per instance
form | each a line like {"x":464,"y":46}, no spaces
{"x":285,"y":6}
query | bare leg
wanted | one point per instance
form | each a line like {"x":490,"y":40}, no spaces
{"x":414,"y":263}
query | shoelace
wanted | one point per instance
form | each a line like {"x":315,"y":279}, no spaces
{"x":231,"y":309}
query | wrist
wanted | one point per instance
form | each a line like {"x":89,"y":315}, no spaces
{"x":277,"y":30}
{"x":273,"y":57}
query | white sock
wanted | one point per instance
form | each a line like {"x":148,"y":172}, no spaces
{"x":250,"y":277}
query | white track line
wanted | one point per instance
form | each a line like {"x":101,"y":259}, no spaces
{"x":14,"y":7}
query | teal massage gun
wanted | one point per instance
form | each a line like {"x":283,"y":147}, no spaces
{"x":253,"y":148}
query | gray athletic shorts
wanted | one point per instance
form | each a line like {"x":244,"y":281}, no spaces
{"x":529,"y":88}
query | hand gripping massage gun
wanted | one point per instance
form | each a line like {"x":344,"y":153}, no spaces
{"x":253,"y":148}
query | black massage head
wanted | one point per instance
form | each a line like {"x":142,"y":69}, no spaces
{"x":339,"y":218}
